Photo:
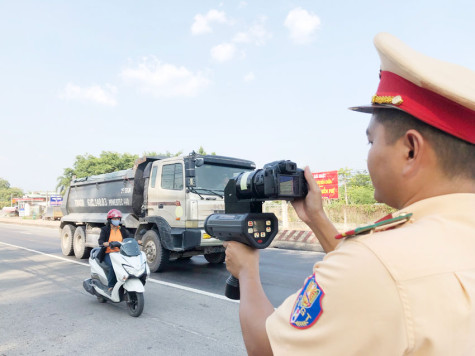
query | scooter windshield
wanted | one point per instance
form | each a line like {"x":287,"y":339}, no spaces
{"x":130,"y":247}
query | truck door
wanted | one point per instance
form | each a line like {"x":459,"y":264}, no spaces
{"x":166,"y":193}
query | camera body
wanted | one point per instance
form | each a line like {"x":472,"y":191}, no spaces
{"x":244,"y":220}
{"x":279,"y":180}
{"x":243,"y":198}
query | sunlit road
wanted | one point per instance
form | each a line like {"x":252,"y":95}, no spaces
{"x":44,"y":309}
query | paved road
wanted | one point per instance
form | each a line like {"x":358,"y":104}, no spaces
{"x":44,"y":309}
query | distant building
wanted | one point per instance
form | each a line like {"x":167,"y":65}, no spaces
{"x":34,"y":204}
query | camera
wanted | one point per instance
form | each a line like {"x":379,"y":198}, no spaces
{"x":279,"y":180}
{"x":244,"y":220}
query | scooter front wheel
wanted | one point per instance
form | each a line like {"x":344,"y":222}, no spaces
{"x":135,"y":303}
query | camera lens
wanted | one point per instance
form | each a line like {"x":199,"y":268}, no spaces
{"x":250,"y":185}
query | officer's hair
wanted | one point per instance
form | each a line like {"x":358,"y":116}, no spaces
{"x":455,"y":156}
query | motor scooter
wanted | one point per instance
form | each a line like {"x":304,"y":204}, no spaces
{"x":131,"y":270}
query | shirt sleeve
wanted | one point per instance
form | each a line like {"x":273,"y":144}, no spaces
{"x":361,"y":309}
{"x":125,"y":233}
{"x":102,"y":237}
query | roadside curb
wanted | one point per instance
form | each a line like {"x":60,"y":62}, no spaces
{"x":297,"y":240}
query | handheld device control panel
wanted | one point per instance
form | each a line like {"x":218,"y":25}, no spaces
{"x":253,"y":229}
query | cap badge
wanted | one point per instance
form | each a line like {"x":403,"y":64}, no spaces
{"x":394,"y":100}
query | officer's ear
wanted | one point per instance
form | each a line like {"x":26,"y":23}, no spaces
{"x":415,"y":148}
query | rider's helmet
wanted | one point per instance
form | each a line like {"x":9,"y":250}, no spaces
{"x":114,"y":213}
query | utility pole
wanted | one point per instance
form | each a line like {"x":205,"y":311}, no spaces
{"x":285,"y":214}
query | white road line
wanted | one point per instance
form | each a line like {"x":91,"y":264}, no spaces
{"x":172,"y":285}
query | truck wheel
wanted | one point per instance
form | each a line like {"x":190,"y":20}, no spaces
{"x":157,"y":256}
{"x":215,"y":258}
{"x":67,"y":239}
{"x":79,"y":243}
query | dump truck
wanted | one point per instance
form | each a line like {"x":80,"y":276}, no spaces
{"x":164,"y":202}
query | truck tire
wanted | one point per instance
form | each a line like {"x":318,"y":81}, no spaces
{"x":67,"y":239}
{"x":157,"y":255}
{"x":79,"y":243}
{"x":215,"y":258}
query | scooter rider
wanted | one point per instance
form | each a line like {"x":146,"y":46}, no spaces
{"x":113,"y":231}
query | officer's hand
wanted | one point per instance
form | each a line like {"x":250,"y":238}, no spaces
{"x":106,"y":244}
{"x":310,"y":206}
{"x":241,"y":259}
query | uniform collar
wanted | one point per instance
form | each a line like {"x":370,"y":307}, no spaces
{"x":459,"y":202}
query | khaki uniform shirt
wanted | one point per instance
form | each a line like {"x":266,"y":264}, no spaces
{"x":405,"y":291}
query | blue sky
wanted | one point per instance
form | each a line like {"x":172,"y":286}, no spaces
{"x":262,"y":80}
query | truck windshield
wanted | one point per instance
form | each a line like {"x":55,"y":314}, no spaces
{"x":214,"y":178}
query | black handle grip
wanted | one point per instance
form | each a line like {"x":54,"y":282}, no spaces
{"x":232,"y":288}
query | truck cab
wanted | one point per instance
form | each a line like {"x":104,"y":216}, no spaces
{"x":181,"y":193}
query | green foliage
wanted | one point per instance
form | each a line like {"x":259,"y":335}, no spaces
{"x":7,"y":192}
{"x":202,"y":152}
{"x":88,"y":165}
{"x":4,"y":184}
{"x":361,"y":195}
{"x":107,"y":162}
{"x":166,"y":154}
{"x":357,"y":185}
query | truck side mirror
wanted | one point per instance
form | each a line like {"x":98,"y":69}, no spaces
{"x":190,"y":182}
{"x":190,"y":172}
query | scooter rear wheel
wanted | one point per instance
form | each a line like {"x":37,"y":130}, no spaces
{"x":101,"y":299}
{"x":135,"y":303}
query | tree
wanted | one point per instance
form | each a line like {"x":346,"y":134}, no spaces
{"x":167,"y":154}
{"x":344,"y":175}
{"x":356,"y":187}
{"x":87,"y":165}
{"x":107,"y":162}
{"x":7,"y":193}
{"x":4,"y":184}
{"x":201,"y":151}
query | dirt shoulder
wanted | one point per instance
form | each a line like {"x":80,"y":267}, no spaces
{"x":30,"y":222}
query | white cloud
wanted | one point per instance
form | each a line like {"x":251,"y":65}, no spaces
{"x":302,"y":25}
{"x":95,"y":93}
{"x":202,"y":24}
{"x":256,"y":34}
{"x":249,"y":77}
{"x":165,"y":80}
{"x":223,"y":52}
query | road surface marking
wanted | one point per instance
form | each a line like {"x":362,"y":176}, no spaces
{"x":172,"y":285}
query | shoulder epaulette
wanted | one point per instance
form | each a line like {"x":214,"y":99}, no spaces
{"x":386,"y":223}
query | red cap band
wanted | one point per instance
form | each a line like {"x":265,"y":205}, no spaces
{"x":427,"y":106}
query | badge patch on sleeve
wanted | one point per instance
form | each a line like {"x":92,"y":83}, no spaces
{"x":308,"y":306}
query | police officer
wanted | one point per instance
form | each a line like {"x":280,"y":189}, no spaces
{"x":405,"y":284}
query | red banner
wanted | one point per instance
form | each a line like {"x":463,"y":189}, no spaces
{"x":328,"y":183}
